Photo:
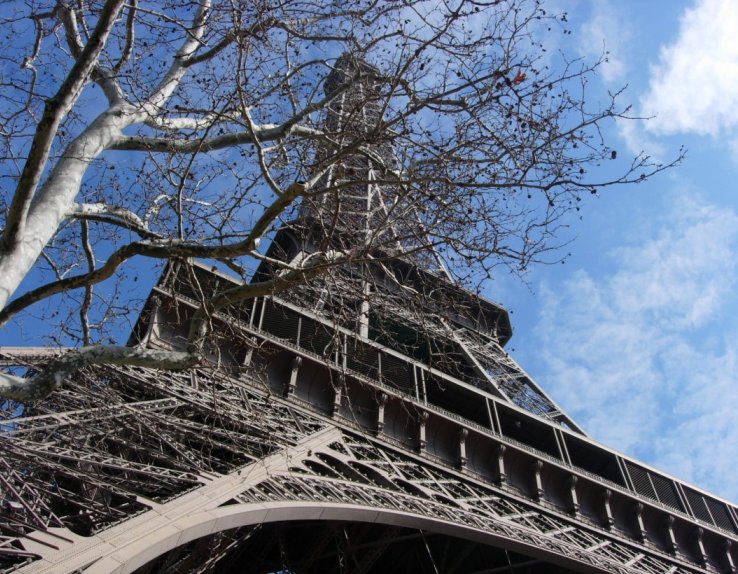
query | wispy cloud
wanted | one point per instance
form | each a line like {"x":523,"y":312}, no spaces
{"x":638,"y":141}
{"x":608,"y":30}
{"x":605,"y":32}
{"x":628,"y":355}
{"x":694,"y":85}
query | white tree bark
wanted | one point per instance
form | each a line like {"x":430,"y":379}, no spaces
{"x":40,"y":385}
{"x":34,"y":226}
{"x":35,"y":215}
{"x":54,"y":202}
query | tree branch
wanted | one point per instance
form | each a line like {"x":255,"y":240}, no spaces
{"x":187,"y":123}
{"x":87,"y":299}
{"x":113,"y":214}
{"x":57,"y":370}
{"x":55,"y":110}
{"x":177,"y":69}
{"x":102,"y":77}
{"x":130,"y":35}
{"x":171,"y":145}
{"x":160,"y":249}
{"x":310,"y":267}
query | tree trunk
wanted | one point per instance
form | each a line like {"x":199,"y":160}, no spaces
{"x":55,"y":200}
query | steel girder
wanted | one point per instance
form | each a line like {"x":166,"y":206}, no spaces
{"x":288,"y":464}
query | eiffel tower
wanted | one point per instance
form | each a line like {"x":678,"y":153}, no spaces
{"x":329,"y":434}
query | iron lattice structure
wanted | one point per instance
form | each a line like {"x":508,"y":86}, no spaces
{"x":313,"y":443}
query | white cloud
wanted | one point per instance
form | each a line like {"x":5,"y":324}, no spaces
{"x":630,"y":356}
{"x":605,"y":32}
{"x":609,"y":28}
{"x":638,"y":141}
{"x":694,"y":85}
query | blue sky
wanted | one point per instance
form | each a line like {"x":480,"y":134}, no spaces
{"x":636,"y":334}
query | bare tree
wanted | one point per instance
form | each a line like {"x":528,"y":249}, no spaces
{"x":173,"y":130}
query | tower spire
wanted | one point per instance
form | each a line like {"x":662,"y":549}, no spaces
{"x":353,"y":196}
{"x":396,"y":290}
